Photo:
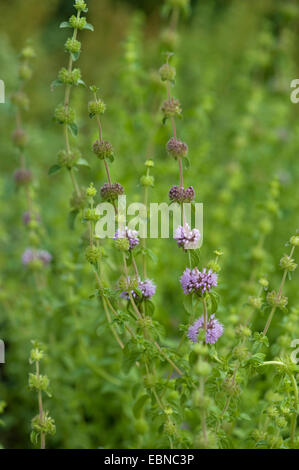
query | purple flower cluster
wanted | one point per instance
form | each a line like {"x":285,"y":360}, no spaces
{"x":198,"y":281}
{"x":213,"y":332}
{"x":131,"y":235}
{"x":186,"y":238}
{"x":180,"y":195}
{"x":31,"y":255}
{"x":147,"y":287}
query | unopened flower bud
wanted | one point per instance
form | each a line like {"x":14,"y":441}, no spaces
{"x":64,"y":116}
{"x":110,"y":192}
{"x":167,"y":73}
{"x":80,"y":5}
{"x":276,"y":300}
{"x":103,"y":149}
{"x":176,"y":148}
{"x":77,"y":23}
{"x":149,"y":163}
{"x":171,"y":108}
{"x":122,"y":244}
{"x":287,"y":263}
{"x":28,"y":53}
{"x":203,"y":368}
{"x":256,"y":302}
{"x":25,"y":72}
{"x":73,"y":46}
{"x":147,"y":180}
{"x":92,"y":254}
{"x":97,"y":107}
{"x":91,"y":191}
{"x":294,"y":240}
{"x":22,"y":176}
{"x":264,"y":282}
{"x":69,"y":77}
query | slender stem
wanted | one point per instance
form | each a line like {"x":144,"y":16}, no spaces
{"x":41,"y":411}
{"x":205,"y":314}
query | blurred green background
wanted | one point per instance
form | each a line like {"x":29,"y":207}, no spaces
{"x":235,"y":61}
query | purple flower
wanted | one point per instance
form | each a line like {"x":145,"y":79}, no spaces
{"x":186,"y":238}
{"x":30,"y":255}
{"x":197,"y":281}
{"x":27,"y":256}
{"x":180,"y":195}
{"x":131,"y":235}
{"x":44,"y":256}
{"x":147,"y":288}
{"x":213,"y":332}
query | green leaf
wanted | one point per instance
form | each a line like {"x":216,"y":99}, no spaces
{"x":54,"y":169}
{"x":75,"y":55}
{"x":55,"y":84}
{"x":89,"y":26}
{"x":186,"y":162}
{"x":73,"y":128}
{"x":188,"y":304}
{"x":65,"y":24}
{"x":137,"y":408}
{"x":81,"y":83}
{"x":82,"y":162}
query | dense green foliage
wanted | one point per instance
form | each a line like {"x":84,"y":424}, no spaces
{"x":104,"y":386}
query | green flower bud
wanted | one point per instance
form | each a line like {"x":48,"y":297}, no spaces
{"x":90,"y":214}
{"x":36,"y":355}
{"x":287,"y":263}
{"x":72,"y":46}
{"x":77,"y":23}
{"x":167,"y":73}
{"x":103,"y":149}
{"x":218,"y":253}
{"x":256,"y":302}
{"x":169,"y":39}
{"x":147,"y":180}
{"x":170,"y":428}
{"x":68,"y":159}
{"x":64,"y":116}
{"x":294,"y":240}
{"x":122,"y":244}
{"x":258,"y":253}
{"x":149,"y":163}
{"x":38,"y":382}
{"x":25,"y":72}
{"x":272,"y":411}
{"x":281,"y":422}
{"x":92,"y":254}
{"x":244,"y":331}
{"x":91,"y":191}
{"x":80,"y":5}
{"x":276,"y":300}
{"x":264,"y":282}
{"x":69,"y":77}
{"x":97,"y":107}
{"x":46,"y":426}
{"x":203,"y":368}
{"x":145,"y":323}
{"x":214,"y":266}
{"x":20,"y":99}
{"x":265,"y":226}
{"x":28,"y":53}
